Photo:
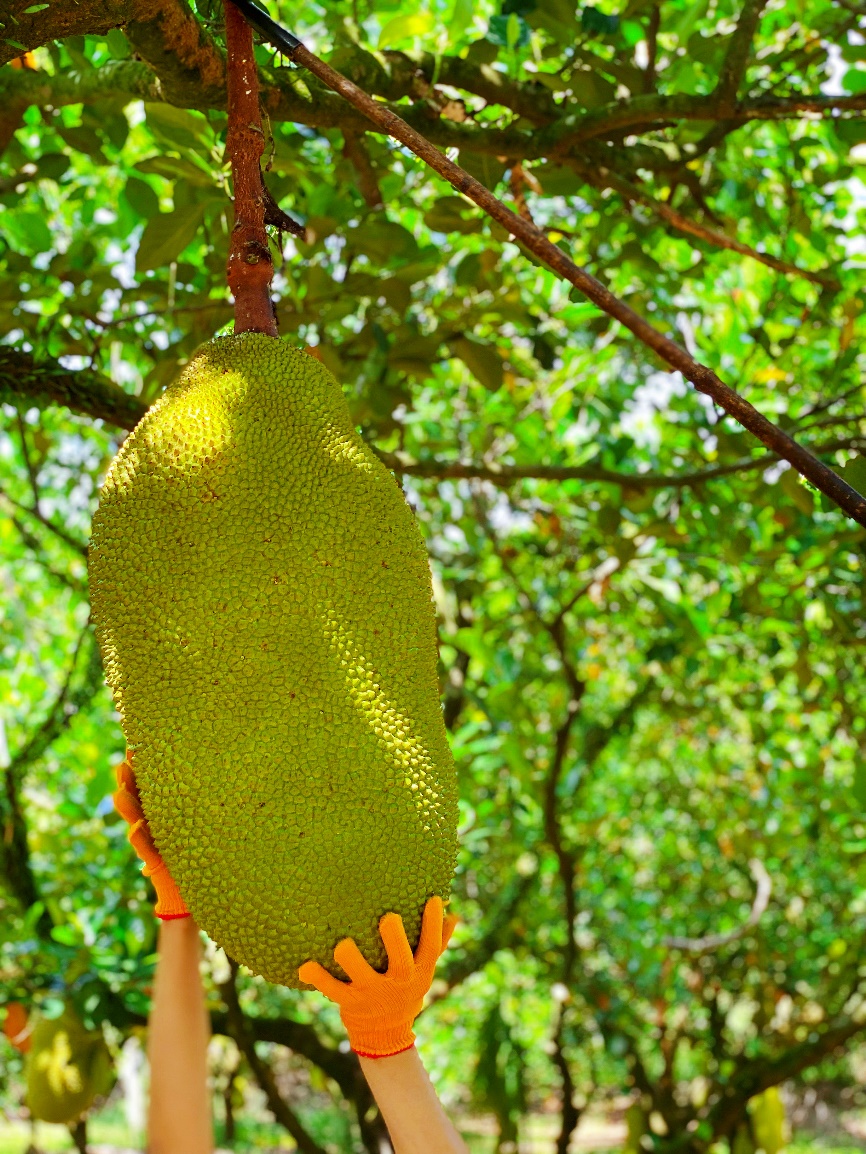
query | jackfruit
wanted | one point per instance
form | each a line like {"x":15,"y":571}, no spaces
{"x":263,"y":602}
{"x":68,"y":1067}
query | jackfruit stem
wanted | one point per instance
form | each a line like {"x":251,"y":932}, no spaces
{"x":250,"y":268}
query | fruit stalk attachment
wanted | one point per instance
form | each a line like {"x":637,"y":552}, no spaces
{"x":250,"y":267}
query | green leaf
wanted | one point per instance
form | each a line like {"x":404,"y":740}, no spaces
{"x":165,"y":237}
{"x":510,"y":31}
{"x":489,"y":170}
{"x":52,"y":165}
{"x":118,"y":45}
{"x":598,"y":23}
{"x":83,"y":139}
{"x":405,"y":27}
{"x":178,"y":127}
{"x":461,"y":18}
{"x":854,"y":80}
{"x":141,"y":197}
{"x":859,"y":789}
{"x":28,"y":232}
{"x":447,"y":215}
{"x":35,"y":8}
{"x":854,"y":472}
{"x":481,"y":359}
{"x":383,"y":240}
{"x":173,"y":168}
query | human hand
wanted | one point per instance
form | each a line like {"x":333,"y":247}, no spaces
{"x":378,"y":1009}
{"x":169,"y":903}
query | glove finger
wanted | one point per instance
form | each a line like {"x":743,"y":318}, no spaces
{"x":127,"y":806}
{"x":315,"y":975}
{"x":448,"y":928}
{"x":142,"y":843}
{"x":126,"y":778}
{"x":353,"y":962}
{"x":429,"y":947}
{"x":400,"y":960}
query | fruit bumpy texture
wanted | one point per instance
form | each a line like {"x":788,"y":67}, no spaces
{"x":263,"y":602}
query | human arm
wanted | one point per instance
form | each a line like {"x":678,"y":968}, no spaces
{"x":413,"y":1114}
{"x":378,"y":1011}
{"x":179,"y":1115}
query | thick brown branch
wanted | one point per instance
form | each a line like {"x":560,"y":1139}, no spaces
{"x":250,"y":267}
{"x":167,"y":36}
{"x":33,"y":29}
{"x":43,"y":381}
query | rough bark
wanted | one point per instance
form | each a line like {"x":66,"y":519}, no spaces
{"x":250,"y":267}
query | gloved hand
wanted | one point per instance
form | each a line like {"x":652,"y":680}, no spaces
{"x":169,"y":903}
{"x":378,"y":1009}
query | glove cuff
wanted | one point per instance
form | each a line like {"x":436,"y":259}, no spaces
{"x":364,"y":1054}
{"x":169,"y":903}
{"x":381,"y":1039}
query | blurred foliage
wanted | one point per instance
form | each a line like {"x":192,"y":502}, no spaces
{"x":650,"y":681}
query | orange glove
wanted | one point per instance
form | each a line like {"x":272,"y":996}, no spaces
{"x":378,"y":1009}
{"x":169,"y":903}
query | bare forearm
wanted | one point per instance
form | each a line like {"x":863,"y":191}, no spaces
{"x":412,"y":1112}
{"x":180,"y":1114}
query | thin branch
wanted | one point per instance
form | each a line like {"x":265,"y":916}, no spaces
{"x":605,"y":178}
{"x":355,"y":151}
{"x":655,"y":19}
{"x":33,"y":511}
{"x":763,"y":891}
{"x":737,"y":56}
{"x":571,"y":1114}
{"x":678,"y":358}
{"x":14,"y":848}
{"x":89,"y":394}
{"x":35,"y":546}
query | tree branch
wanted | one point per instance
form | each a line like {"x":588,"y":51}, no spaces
{"x":33,"y":29}
{"x":250,"y":268}
{"x":43,"y":381}
{"x":88,"y":393}
{"x":737,"y":56}
{"x":190,"y":67}
{"x":605,"y":178}
{"x":704,"y":379}
{"x":73,"y":696}
{"x":262,"y":1072}
{"x":355,"y":151}
{"x":764,"y":888}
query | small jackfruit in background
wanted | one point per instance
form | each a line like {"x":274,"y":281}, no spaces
{"x":68,"y":1067}
{"x":263,"y":602}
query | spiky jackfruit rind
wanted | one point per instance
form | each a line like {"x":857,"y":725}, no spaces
{"x":263,"y":601}
{"x":68,"y":1068}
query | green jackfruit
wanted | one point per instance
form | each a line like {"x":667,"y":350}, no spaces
{"x":263,"y":602}
{"x":68,"y":1067}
